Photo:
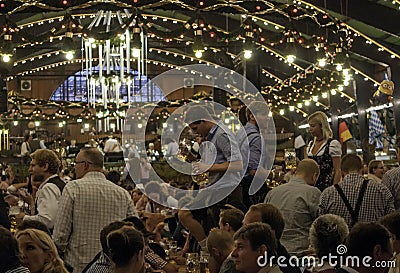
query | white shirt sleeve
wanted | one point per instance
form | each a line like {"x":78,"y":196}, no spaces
{"x":335,"y":148}
{"x":42,"y":146}
{"x":24,"y":149}
{"x":46,"y":205}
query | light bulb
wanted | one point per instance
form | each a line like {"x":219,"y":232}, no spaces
{"x":321,"y":62}
{"x":135,"y":52}
{"x":346,"y":71}
{"x":339,"y":67}
{"x":69,"y":55}
{"x":247,"y":54}
{"x":290,"y":58}
{"x":6,"y":58}
{"x":198,"y":54}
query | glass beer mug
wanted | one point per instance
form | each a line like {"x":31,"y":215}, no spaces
{"x":199,"y":178}
{"x":204,"y":257}
{"x":192,"y":262}
{"x":290,"y":159}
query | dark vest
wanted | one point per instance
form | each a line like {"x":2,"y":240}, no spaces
{"x":34,"y":144}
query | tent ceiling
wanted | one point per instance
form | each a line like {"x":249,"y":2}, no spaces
{"x":376,"y":44}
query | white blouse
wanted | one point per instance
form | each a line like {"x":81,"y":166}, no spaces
{"x":335,"y":149}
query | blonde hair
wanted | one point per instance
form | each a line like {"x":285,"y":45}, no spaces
{"x":44,"y":241}
{"x":321,"y":118}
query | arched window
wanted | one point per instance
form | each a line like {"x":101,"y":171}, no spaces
{"x":75,"y":89}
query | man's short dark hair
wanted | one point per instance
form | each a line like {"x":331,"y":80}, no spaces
{"x":9,"y":251}
{"x":258,"y":234}
{"x":233,"y":217}
{"x":113,"y":176}
{"x":392,"y":223}
{"x":33,"y":224}
{"x":363,"y":237}
{"x":272,"y":216}
{"x":197,"y":113}
{"x":351,"y":162}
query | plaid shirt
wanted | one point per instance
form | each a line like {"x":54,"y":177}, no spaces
{"x":377,"y":200}
{"x":391,"y":180}
{"x":86,"y":206}
{"x":153,"y":259}
{"x":103,"y":263}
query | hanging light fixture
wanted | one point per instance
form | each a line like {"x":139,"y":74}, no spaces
{"x":7,"y":49}
{"x":290,"y":50}
{"x":136,"y":44}
{"x":69,"y":46}
{"x":321,"y":56}
{"x":248,"y":44}
{"x":198,"y":45}
{"x":346,"y":65}
{"x":321,"y":53}
{"x":340,"y":57}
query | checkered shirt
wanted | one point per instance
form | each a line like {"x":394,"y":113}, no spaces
{"x":153,"y":259}
{"x":102,"y":264}
{"x":86,"y":206}
{"x":391,"y":180}
{"x":377,"y":201}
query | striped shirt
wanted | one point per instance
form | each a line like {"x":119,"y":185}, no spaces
{"x":20,"y":269}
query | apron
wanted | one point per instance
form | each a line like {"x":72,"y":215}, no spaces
{"x":325,"y":163}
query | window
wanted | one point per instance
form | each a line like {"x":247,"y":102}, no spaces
{"x":75,"y":88}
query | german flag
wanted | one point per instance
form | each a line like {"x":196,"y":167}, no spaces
{"x":344,"y":132}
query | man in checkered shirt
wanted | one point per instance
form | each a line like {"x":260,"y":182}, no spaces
{"x":376,"y":201}
{"x":86,"y":206}
{"x":391,"y":179}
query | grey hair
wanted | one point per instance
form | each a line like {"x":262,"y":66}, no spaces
{"x":326,"y":233}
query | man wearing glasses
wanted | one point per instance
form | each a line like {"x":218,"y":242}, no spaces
{"x":86,"y":206}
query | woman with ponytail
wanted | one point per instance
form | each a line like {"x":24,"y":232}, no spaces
{"x":126,"y":247}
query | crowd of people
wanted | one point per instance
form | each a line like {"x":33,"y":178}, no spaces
{"x":331,"y":208}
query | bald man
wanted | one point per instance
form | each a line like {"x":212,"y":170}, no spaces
{"x":298,"y":201}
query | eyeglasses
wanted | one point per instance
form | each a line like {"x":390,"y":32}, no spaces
{"x":83,"y":161}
